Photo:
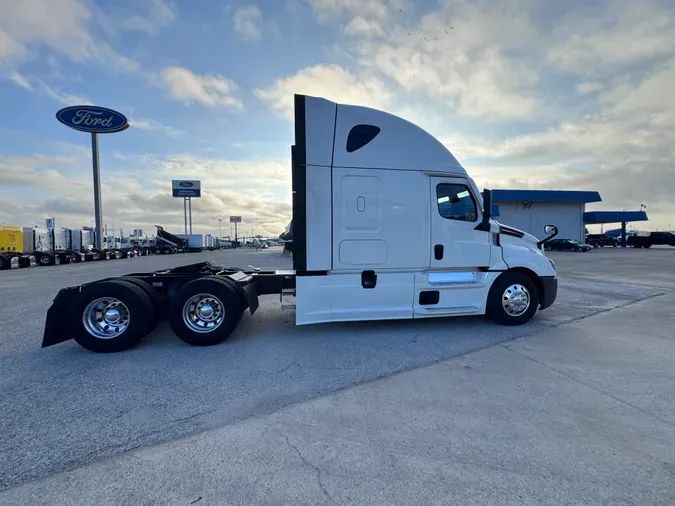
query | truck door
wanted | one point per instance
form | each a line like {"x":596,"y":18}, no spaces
{"x":455,"y":244}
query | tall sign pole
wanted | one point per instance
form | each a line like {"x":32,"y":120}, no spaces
{"x":185,"y":199}
{"x":235,"y":220}
{"x":98,"y":210}
{"x":190,"y":211}
{"x":94,"y":120}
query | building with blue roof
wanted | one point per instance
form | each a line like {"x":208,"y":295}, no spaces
{"x":532,"y":210}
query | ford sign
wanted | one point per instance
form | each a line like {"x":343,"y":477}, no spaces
{"x":92,"y":119}
{"x":186,"y":188}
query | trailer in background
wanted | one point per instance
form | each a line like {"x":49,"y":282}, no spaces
{"x":167,"y":243}
{"x":196,"y":243}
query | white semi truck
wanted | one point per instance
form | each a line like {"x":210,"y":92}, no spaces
{"x":387,"y":224}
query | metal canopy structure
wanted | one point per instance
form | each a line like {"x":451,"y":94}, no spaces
{"x":600,"y":217}
{"x":545,"y":196}
{"x":623,"y":217}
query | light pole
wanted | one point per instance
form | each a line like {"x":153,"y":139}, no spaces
{"x":220,"y":226}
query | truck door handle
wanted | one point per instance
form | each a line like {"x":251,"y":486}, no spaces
{"x":438,"y":252}
{"x":368,"y":279}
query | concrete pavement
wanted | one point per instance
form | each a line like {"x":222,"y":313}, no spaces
{"x":63,"y":407}
{"x":582,"y":413}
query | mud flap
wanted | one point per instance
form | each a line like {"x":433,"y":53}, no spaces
{"x":57,"y":324}
{"x":242,"y":282}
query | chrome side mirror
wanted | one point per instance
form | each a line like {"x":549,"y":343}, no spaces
{"x":551,"y":230}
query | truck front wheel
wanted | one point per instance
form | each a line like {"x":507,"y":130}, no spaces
{"x":205,"y":311}
{"x":112,"y":316}
{"x":5,"y":263}
{"x":513,"y":299}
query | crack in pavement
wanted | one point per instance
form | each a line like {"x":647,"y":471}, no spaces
{"x":594,"y":388}
{"x":312,"y":466}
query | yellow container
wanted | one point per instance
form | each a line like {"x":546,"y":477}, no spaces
{"x":11,"y":238}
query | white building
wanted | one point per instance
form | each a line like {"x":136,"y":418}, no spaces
{"x":532,"y":210}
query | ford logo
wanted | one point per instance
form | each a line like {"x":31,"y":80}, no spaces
{"x":89,"y":118}
{"x":186,"y":184}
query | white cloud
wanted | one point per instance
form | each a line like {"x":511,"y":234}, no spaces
{"x":328,"y":81}
{"x":64,"y":98}
{"x":360,"y":27}
{"x":209,"y":90}
{"x":62,"y":25}
{"x":586,"y":87}
{"x":20,"y":80}
{"x":140,"y":196}
{"x":247,"y":22}
{"x":327,"y":9}
{"x":152,"y":125}
{"x":596,"y":39}
{"x":158,"y":14}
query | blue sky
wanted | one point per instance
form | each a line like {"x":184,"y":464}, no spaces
{"x":526,"y":93}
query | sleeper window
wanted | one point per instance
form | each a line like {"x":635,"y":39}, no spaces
{"x":455,"y":202}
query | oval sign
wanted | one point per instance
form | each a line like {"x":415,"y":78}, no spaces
{"x":186,"y":184}
{"x":89,"y":118}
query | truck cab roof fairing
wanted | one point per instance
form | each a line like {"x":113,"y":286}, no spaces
{"x":398,"y":143}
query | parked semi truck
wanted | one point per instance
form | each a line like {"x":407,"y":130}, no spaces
{"x":387,"y":224}
{"x":11,"y":248}
{"x":46,"y":246}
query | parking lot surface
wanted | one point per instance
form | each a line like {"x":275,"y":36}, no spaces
{"x":64,"y":407}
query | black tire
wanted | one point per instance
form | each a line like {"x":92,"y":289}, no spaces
{"x":140,"y":316}
{"x":647,"y":246}
{"x":46,"y":259}
{"x":5,"y":263}
{"x":225,"y":294}
{"x":494,"y":308}
{"x":152,"y":294}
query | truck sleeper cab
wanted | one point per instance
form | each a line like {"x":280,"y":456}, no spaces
{"x":387,"y":224}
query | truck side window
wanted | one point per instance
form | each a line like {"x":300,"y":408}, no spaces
{"x":455,"y":202}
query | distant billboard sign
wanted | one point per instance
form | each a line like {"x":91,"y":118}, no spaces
{"x":186,"y":188}
{"x":235,"y":219}
{"x":50,"y":222}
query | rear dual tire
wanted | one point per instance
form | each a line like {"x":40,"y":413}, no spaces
{"x":112,"y":316}
{"x":204,"y":312}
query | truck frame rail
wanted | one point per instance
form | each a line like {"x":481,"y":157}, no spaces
{"x":162,"y":294}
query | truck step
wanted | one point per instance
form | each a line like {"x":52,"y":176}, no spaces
{"x":287,"y":306}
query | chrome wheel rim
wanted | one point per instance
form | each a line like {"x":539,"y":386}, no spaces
{"x":516,"y":300}
{"x":203,"y":313}
{"x":106,"y":318}
{"x":44,"y":260}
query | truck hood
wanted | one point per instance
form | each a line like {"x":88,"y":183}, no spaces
{"x":524,"y":238}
